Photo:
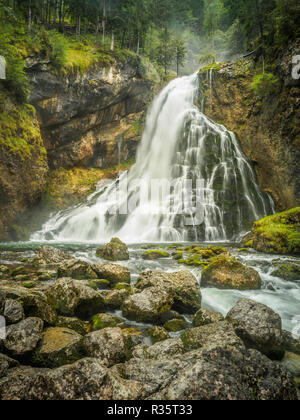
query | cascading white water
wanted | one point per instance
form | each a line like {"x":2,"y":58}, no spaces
{"x":179,"y":143}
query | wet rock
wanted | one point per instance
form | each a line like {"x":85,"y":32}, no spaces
{"x":108,"y":345}
{"x":70,"y":297}
{"x":23,"y":337}
{"x":212,"y":335}
{"x":58,"y":347}
{"x":49,"y":255}
{"x":78,"y":270}
{"x":205,"y":317}
{"x":176,"y":325}
{"x":112,"y":272}
{"x":101,"y":321}
{"x":154,"y":255}
{"x":287,"y":271}
{"x":71,"y":323}
{"x":228,"y":273}
{"x":158,"y":334}
{"x":5,"y":364}
{"x":116,"y":250}
{"x":290,"y":342}
{"x":292,"y":362}
{"x":116,"y":298}
{"x":258,"y":326}
{"x":13,"y":311}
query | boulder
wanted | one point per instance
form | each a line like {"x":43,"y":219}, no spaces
{"x":290,"y":342}
{"x":71,"y":297}
{"x":13,"y":311}
{"x":112,"y":272}
{"x":155,"y":254}
{"x":58,"y":346}
{"x":227,"y":273}
{"x":108,"y":345}
{"x":116,"y":250}
{"x":101,"y":321}
{"x":161,"y":350}
{"x":116,"y":298}
{"x":158,"y":334}
{"x":75,"y":269}
{"x":212,"y":335}
{"x":258,"y":326}
{"x":5,"y":364}
{"x":287,"y":271}
{"x":148,"y":305}
{"x":49,"y":255}
{"x":205,"y":317}
{"x":71,"y":323}
{"x":23,"y":337}
{"x":175,"y":325}
{"x":35,"y":303}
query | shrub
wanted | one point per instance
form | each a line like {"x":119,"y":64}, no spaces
{"x":264,"y":84}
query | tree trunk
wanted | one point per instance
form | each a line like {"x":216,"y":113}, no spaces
{"x":29,"y":15}
{"x":104,"y":23}
{"x":138,"y":44}
{"x":112,"y":45}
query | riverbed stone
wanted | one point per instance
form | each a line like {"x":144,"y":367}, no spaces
{"x":114,"y":273}
{"x":115,"y":250}
{"x":101,"y":321}
{"x":108,"y":345}
{"x":287,"y":271}
{"x":175,"y":325}
{"x":13,"y":311}
{"x":23,"y":337}
{"x":158,"y":334}
{"x":154,"y":254}
{"x":258,"y":326}
{"x":59,"y":346}
{"x":212,"y":335}
{"x":71,"y":323}
{"x":75,"y":269}
{"x":6,"y":363}
{"x":116,"y":298}
{"x":205,"y":317}
{"x":49,"y":255}
{"x":227,"y":273}
{"x":166,"y":349}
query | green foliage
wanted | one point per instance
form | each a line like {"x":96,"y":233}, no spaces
{"x":207,"y":58}
{"x":264,"y":84}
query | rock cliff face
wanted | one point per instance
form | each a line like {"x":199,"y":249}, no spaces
{"x":91,"y":119}
{"x":268,"y":129}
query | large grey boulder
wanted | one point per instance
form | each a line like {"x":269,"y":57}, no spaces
{"x":114,"y":273}
{"x":109,"y":345}
{"x":23,"y":337}
{"x":13,"y":311}
{"x":258,"y":326}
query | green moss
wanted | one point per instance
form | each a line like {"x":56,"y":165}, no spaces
{"x":158,"y":334}
{"x":155,"y":254}
{"x":175,"y":325}
{"x":29,"y":285}
{"x":123,"y":286}
{"x":279,"y":233}
{"x":101,"y":321}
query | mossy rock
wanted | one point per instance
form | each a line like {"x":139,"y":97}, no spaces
{"x":158,"y":334}
{"x":226,"y":272}
{"x":58,"y":347}
{"x":74,"y":324}
{"x":99,"y":284}
{"x":287,"y":271}
{"x":279,"y":233}
{"x":123,"y":286}
{"x":175,"y":325}
{"x":206,"y":317}
{"x":101,"y":321}
{"x":154,"y":254}
{"x":116,"y":250}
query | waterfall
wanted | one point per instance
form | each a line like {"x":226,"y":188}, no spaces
{"x":179,"y":144}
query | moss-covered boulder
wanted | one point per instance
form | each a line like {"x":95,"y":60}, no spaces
{"x":227,"y":273}
{"x":278,"y":234}
{"x":175,"y":325}
{"x":114,"y":273}
{"x":154,"y":254}
{"x":58,"y":347}
{"x":75,"y":269}
{"x":123,"y":286}
{"x":287,"y":271}
{"x":205,"y":317}
{"x":115,"y":298}
{"x":197,"y":256}
{"x":100,"y":321}
{"x":72,"y":323}
{"x":157,"y":334}
{"x":115,"y":250}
